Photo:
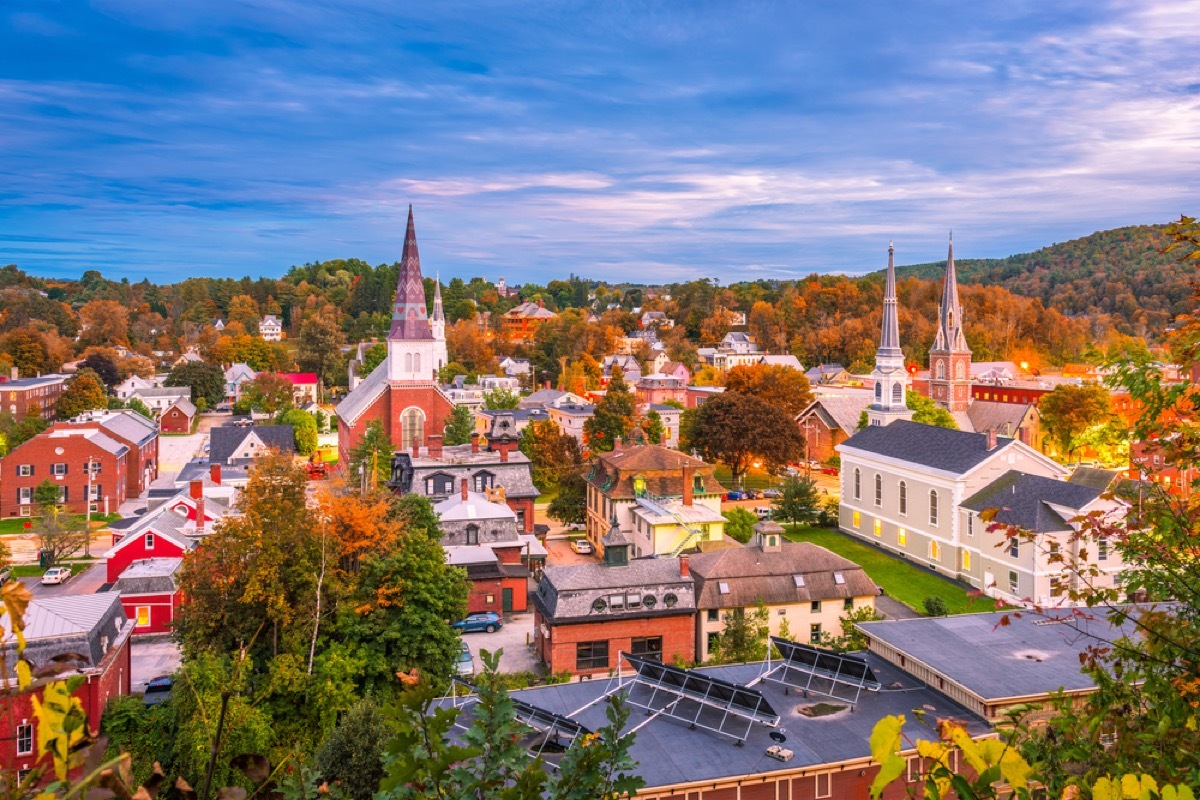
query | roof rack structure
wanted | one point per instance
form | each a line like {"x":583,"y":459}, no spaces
{"x":811,"y":669}
{"x":553,"y":728}
{"x":716,"y":705}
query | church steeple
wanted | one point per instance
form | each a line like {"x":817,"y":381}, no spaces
{"x":410,"y":318}
{"x":950,"y":357}
{"x":891,"y":379}
{"x":438,"y":321}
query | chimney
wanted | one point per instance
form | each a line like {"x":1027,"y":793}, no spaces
{"x":214,"y":473}
{"x":685,"y":569}
{"x":991,"y":439}
{"x":196,"y":490}
{"x":504,"y":455}
{"x":435,"y":445}
{"x":416,"y":449}
{"x":200,"y":514}
{"x":15,"y":373}
{"x":474,"y":442}
{"x":688,"y":485}
{"x":464,"y":488}
{"x":540,"y":303}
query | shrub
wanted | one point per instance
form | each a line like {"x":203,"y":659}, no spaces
{"x":936,"y":607}
{"x":351,"y":757}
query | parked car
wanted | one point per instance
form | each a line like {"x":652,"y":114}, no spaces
{"x":772,"y":494}
{"x":464,"y":665}
{"x":575,"y":526}
{"x":829,"y":470}
{"x":5,"y":574}
{"x":158,"y":690}
{"x":763,"y":512}
{"x":582,"y":546}
{"x":487,"y":621}
{"x":56,"y":575}
{"x":737,"y":494}
{"x":754,"y":494}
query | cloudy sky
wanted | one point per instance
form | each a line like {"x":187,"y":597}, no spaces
{"x":645,"y":141}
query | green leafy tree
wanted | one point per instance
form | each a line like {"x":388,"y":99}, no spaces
{"x":206,"y":380}
{"x":613,"y":417}
{"x":84,"y":393}
{"x":459,"y":426}
{"x":320,"y":348}
{"x":45,"y":497}
{"x":927,"y":412}
{"x":424,"y":760}
{"x":798,"y":502}
{"x":373,"y":454}
{"x":652,"y":425}
{"x":554,"y":455}
{"x":137,"y":405}
{"x":569,"y":506}
{"x":744,"y":636}
{"x":351,"y":757}
{"x":270,"y":393}
{"x":304,"y":429}
{"x":1069,"y":412}
{"x":851,"y":638}
{"x":375,"y":355}
{"x":739,"y":524}
{"x":447,"y":373}
{"x":501,"y":399}
{"x":14,"y":433}
{"x":60,"y":535}
{"x":737,"y":429}
{"x":104,"y":368}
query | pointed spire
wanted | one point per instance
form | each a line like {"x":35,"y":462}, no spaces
{"x":410,"y":319}
{"x":438,"y":315}
{"x":889,"y":340}
{"x":950,"y":333}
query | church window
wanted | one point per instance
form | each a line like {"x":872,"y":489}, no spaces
{"x":897,"y":393}
{"x":960,"y":370}
{"x":935,"y":551}
{"x":412,"y":428}
{"x":416,"y":362}
{"x":933,"y":507}
{"x":408,"y":362}
{"x":941,"y":370}
{"x":878,"y":490}
{"x":904,"y":498}
{"x":878,"y":390}
{"x":857,"y":484}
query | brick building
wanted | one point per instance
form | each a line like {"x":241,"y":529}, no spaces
{"x":88,"y":465}
{"x":521,"y":323}
{"x":480,"y":533}
{"x":23,"y":397}
{"x":139,"y":434}
{"x":661,"y":388}
{"x":585,"y":615}
{"x":92,"y":632}
{"x":402,"y":392}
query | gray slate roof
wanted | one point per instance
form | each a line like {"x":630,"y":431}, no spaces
{"x":108,"y":443}
{"x":840,"y":412}
{"x":360,"y":399}
{"x":184,"y":405}
{"x":1096,"y":478}
{"x":130,"y":425}
{"x":149,"y":576}
{"x":67,"y":624}
{"x":1024,"y":500}
{"x":1003,"y":418}
{"x":994,"y":661}
{"x":566,"y":593}
{"x":751,"y":574}
{"x":227,"y":438}
{"x":940,"y":448}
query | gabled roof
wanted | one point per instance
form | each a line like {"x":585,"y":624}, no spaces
{"x":226,"y":439}
{"x":1025,"y":501}
{"x":185,"y":407}
{"x":363,"y":396}
{"x":944,"y":449}
{"x":269,"y":319}
{"x":530,"y":311}
{"x":149,"y":576}
{"x":476,"y":506}
{"x":69,"y":625}
{"x":1003,"y":418}
{"x":238,"y":372}
{"x":1100,"y":479}
{"x":783,"y":361}
{"x":839,"y":412}
{"x":162,"y":522}
{"x":129,"y":425}
{"x":748,"y":574}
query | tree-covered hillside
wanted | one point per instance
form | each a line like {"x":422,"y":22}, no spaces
{"x":1121,"y":274}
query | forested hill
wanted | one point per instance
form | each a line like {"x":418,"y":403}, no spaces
{"x":1121,"y":274}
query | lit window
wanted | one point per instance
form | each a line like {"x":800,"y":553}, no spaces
{"x":902,"y":537}
{"x":935,"y":551}
{"x":879,"y":527}
{"x":857,"y":519}
{"x":966,"y":559}
{"x":814,"y":632}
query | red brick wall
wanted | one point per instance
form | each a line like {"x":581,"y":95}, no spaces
{"x":39,"y":452}
{"x":846,"y":781}
{"x":388,"y":408}
{"x":175,"y":421}
{"x":523,"y":504}
{"x":138,"y":459}
{"x":477,"y":599}
{"x":24,"y":401}
{"x":558,"y":653}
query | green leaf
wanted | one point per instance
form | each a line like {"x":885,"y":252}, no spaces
{"x":885,"y":749}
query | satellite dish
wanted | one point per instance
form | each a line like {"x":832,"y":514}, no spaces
{"x":779,"y":737}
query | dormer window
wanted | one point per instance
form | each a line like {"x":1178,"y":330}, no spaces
{"x":839,"y":579}
{"x":723,"y":587}
{"x":798,"y":580}
{"x":483,"y":481}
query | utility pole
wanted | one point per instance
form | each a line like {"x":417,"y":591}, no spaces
{"x":87,"y":513}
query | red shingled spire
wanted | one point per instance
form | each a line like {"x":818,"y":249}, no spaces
{"x":410,"y":318}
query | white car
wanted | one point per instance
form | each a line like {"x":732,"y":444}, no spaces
{"x":56,"y":575}
{"x":582,"y":546}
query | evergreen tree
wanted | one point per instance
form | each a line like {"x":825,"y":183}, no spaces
{"x":459,"y":426}
{"x":207,"y":381}
{"x":799,"y":501}
{"x":373,"y":453}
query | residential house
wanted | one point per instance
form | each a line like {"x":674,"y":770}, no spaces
{"x":699,"y":395}
{"x":218,"y":324}
{"x":306,"y":386}
{"x":521,"y":323}
{"x":84,"y":636}
{"x":159,"y":398}
{"x":232,"y":444}
{"x":805,"y":589}
{"x":436,"y":472}
{"x":663,"y":502}
{"x":736,"y":349}
{"x":586,"y":615}
{"x":89,"y":467}
{"x":129,"y":428}
{"x":658,"y":361}
{"x":515,"y":366}
{"x":490,"y":383}
{"x":670,"y":416}
{"x":545,"y":398}
{"x":570,"y":418}
{"x":656,"y":319}
{"x":660,"y":388}
{"x":462,"y":393}
{"x":782,"y":361}
{"x":270,"y":328}
{"x":522,"y":418}
{"x":631,"y":371}
{"x":480,"y":533}
{"x":1014,"y":420}
{"x":830,"y":420}
{"x":236,"y":378}
{"x":827,"y":373}
{"x":125,"y":388}
{"x":178,"y":418}
{"x":26,"y":397}
{"x":674,"y":369}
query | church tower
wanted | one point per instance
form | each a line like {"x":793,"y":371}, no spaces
{"x":891,"y":379}
{"x":416,"y":345}
{"x":950,"y":358}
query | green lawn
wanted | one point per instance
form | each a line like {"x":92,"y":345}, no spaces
{"x":17,"y":524}
{"x":900,"y":579}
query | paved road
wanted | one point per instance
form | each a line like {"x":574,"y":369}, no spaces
{"x":87,"y":582}
{"x":175,"y":451}
{"x":512,"y":637}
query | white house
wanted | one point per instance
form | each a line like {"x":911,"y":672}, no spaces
{"x":270,"y":328}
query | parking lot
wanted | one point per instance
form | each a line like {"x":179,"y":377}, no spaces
{"x":515,"y":637}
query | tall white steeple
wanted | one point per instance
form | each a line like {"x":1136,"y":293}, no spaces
{"x":891,"y":379}
{"x":438,"y":321}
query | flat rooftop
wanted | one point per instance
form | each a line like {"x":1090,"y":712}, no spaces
{"x":669,"y":752}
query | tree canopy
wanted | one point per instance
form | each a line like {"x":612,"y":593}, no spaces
{"x":737,"y":429}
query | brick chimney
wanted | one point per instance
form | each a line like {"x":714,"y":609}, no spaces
{"x":196,"y":490}
{"x":474,"y":442}
{"x":688,"y":485}
{"x":991,"y":439}
{"x":504,"y":454}
{"x":214,"y":473}
{"x":200,"y":514}
{"x":464,"y":488}
{"x":685,"y":569}
{"x":435,"y":445}
{"x":416,"y":449}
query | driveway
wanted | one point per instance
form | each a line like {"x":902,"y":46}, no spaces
{"x":516,"y":639}
{"x":559,"y":553}
{"x":151,"y":658}
{"x":175,"y":451}
{"x":87,"y":582}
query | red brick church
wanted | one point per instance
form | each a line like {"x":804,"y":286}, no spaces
{"x":402,"y":392}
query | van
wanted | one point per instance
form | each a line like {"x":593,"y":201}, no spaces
{"x":763,"y":512}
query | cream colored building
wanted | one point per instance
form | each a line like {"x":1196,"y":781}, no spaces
{"x":804,"y":585}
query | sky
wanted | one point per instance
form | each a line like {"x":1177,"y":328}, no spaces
{"x":641,"y":141}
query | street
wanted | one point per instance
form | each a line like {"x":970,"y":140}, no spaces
{"x":87,"y":582}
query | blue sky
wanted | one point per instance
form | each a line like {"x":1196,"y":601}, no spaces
{"x":644,"y":141}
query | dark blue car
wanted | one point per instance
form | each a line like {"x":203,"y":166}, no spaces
{"x":487,"y":621}
{"x":158,"y":690}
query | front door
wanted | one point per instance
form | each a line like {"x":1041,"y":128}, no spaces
{"x":506,"y":599}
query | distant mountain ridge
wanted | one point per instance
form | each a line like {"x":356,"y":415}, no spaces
{"x":1119,"y":273}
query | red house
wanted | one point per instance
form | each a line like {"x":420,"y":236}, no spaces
{"x":25,"y":397}
{"x":149,"y":594}
{"x":178,"y":418}
{"x":304,"y":386}
{"x":93,"y":632}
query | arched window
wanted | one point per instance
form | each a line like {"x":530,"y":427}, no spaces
{"x":933,"y":509}
{"x":857,"y":484}
{"x":412,"y":428}
{"x":416,"y":362}
{"x":878,"y":489}
{"x":904,"y":498}
{"x":960,"y":370}
{"x":472,"y":534}
{"x":941,"y":369}
{"x":897,"y":393}
{"x":408,"y":362}
{"x":878,"y":390}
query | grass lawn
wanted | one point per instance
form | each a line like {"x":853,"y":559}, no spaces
{"x":17,"y":524}
{"x":900,"y":579}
